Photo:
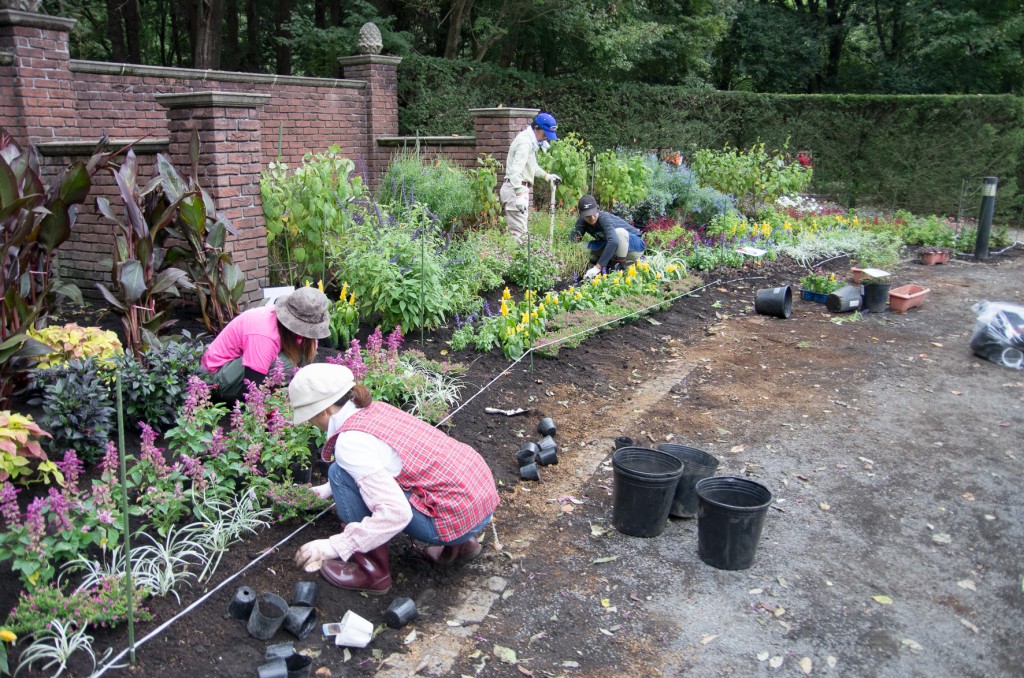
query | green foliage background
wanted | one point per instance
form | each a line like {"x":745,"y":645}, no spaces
{"x":919,"y":152}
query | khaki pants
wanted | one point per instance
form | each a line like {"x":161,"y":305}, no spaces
{"x":621,"y":250}
{"x":514,"y":219}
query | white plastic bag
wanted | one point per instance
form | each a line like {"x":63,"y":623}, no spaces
{"x":999,"y":333}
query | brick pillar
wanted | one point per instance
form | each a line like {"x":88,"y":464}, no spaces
{"x":381,"y":76}
{"x":230,"y":161}
{"x":496,"y":127}
{"x":36,"y":101}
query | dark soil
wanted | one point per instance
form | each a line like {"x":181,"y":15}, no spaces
{"x":874,"y":436}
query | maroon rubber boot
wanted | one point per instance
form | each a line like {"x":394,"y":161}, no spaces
{"x":366,"y":572}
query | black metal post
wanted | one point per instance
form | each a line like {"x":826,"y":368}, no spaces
{"x":988,"y":207}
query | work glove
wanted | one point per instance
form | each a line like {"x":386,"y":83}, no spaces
{"x":323,"y":491}
{"x":521,"y":202}
{"x":554,"y":179}
{"x":312,"y":554}
{"x":592,"y":272}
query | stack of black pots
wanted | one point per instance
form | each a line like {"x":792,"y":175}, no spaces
{"x":266,"y":613}
{"x":544,"y":452}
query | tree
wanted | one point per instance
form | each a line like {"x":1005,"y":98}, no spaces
{"x":205,"y":20}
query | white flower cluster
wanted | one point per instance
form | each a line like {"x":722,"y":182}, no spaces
{"x":799,"y":202}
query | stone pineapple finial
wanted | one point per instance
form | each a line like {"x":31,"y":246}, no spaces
{"x":370,"y":41}
{"x":21,"y":5}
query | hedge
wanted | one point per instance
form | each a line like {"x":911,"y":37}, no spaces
{"x":925,"y":153}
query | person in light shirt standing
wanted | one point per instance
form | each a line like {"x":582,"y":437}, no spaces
{"x":521,"y":169}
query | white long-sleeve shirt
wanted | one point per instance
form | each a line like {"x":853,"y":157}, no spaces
{"x":373,"y":465}
{"x":521,"y":165}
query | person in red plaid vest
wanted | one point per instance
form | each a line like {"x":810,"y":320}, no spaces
{"x":391,"y":473}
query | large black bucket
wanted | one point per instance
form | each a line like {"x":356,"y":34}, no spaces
{"x":644,"y":484}
{"x":697,"y":465}
{"x":776,"y":301}
{"x":844,"y":299}
{"x":730,"y":515}
{"x":876,"y":296}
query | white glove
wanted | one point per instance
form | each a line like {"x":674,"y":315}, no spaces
{"x":324,"y":491}
{"x":554,"y":179}
{"x":592,"y":272}
{"x":312,"y":554}
{"x":521,"y":202}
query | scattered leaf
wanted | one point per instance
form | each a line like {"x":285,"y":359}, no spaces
{"x":967,"y":584}
{"x":935,"y":343}
{"x":782,"y":582}
{"x":775,"y":662}
{"x":598,"y":530}
{"x":989,"y":516}
{"x":570,"y":665}
{"x":604,"y":559}
{"x":707,"y":639}
{"x":568,"y":508}
{"x":345,"y":656}
{"x":824,"y":506}
{"x":605,"y":602}
{"x":453,"y":622}
{"x":505,"y":654}
{"x":634,"y":596}
{"x":409,"y":638}
{"x":969,"y":625}
{"x":506,"y":594}
{"x":912,"y":645}
{"x":968,"y":496}
{"x":523,"y":670}
{"x":755,"y":592}
{"x":882,"y":600}
{"x":831,"y":661}
{"x":806,"y":665}
{"x":779,"y":611}
{"x":736,"y":449}
{"x":606,"y":632}
{"x":941,"y":538}
{"x":762,"y":656}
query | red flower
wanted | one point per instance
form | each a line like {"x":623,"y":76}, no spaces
{"x":803,"y":159}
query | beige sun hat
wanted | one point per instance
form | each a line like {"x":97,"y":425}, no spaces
{"x":305,"y":312}
{"x":317,"y":386}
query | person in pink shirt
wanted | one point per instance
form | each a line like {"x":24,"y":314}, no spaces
{"x":391,"y":473}
{"x":249,"y":344}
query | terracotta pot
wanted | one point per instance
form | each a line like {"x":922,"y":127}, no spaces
{"x":858,"y":273}
{"x":906,"y":297}
{"x":933,"y":258}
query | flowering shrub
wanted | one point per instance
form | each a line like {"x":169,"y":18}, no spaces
{"x":74,"y":342}
{"x":344,"y":317}
{"x":754,"y":176}
{"x":19,"y":444}
{"x":538,"y":270}
{"x":103,"y":605}
{"x":288,"y":500}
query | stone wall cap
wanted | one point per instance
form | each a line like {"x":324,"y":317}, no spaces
{"x":107,"y":68}
{"x":360,"y":59}
{"x":456,"y":140}
{"x":504,"y":112}
{"x":212,"y":100}
{"x":78,"y":147}
{"x":14,"y":17}
{"x":6,"y":59}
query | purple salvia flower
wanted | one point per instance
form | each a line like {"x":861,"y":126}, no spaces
{"x":102,"y":498}
{"x":276,"y":423}
{"x":9,"y":504}
{"x":150,"y":452}
{"x":487,"y":309}
{"x":71,"y":467}
{"x":193,"y":469}
{"x":237,"y":417}
{"x":111,"y":464}
{"x":252,"y":458}
{"x":275,"y":377}
{"x":60,"y":509}
{"x":197,"y":397}
{"x":36,"y":524}
{"x":373,"y":345}
{"x":218,"y":443}
{"x":105,"y":517}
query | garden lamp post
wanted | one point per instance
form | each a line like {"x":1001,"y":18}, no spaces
{"x":988,"y":206}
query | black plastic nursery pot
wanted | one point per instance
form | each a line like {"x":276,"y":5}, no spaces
{"x":527,"y":454}
{"x":876,"y":296}
{"x":546,"y":443}
{"x":275,"y":668}
{"x":777,"y":301}
{"x":548,"y":457}
{"x":305,"y":593}
{"x":299,"y":666}
{"x":547,"y":427}
{"x":241,"y":604}
{"x":300,"y":620}
{"x":643,"y":487}
{"x":730,"y":516}
{"x":697,"y":465}
{"x":400,"y":612}
{"x":267,"y":616}
{"x":844,"y":299}
{"x":529,"y":471}
{"x":623,"y":441}
{"x":302,"y":474}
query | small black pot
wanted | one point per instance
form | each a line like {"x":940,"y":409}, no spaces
{"x":280,"y":651}
{"x":299,"y":666}
{"x":623,"y":441}
{"x":267,"y":616}
{"x":302,"y":473}
{"x":400,"y":612}
{"x":240,"y":606}
{"x":529,"y":472}
{"x":548,"y":456}
{"x":527,"y":454}
{"x":277,"y":668}
{"x":305,"y":593}
{"x":547,"y":443}
{"x":547,"y":427}
{"x":300,"y":620}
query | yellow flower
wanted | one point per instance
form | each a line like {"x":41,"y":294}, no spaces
{"x":352,"y":299}
{"x":506,"y":294}
{"x":7,"y":636}
{"x":657,"y":276}
{"x":534,"y":315}
{"x":856,"y":221}
{"x":504,"y":308}
{"x":307,"y":283}
{"x":526,"y":318}
{"x":344,"y":290}
{"x":786,"y":226}
{"x":320,"y":285}
{"x":670,"y":268}
{"x":540,"y":308}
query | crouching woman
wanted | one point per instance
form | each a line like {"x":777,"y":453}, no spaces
{"x":391,"y":473}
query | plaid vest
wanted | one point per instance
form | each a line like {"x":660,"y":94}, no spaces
{"x":447,"y":480}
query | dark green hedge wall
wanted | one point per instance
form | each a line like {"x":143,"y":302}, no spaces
{"x":916,"y":152}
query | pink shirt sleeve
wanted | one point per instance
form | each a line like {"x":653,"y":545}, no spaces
{"x":390,"y":512}
{"x":260,"y":353}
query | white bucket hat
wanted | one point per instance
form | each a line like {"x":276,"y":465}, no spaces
{"x":305,"y":312}
{"x":316,"y":387}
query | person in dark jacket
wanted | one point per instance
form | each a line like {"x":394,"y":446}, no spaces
{"x":614,"y":241}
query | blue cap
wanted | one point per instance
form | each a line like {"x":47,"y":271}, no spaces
{"x":546,"y":122}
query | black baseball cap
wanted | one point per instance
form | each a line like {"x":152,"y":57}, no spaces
{"x":587,"y":206}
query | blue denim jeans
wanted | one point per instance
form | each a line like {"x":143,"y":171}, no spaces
{"x":351,"y":509}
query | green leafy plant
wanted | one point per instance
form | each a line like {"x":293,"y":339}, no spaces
{"x":568,"y":158}
{"x":19,"y":445}
{"x":620,"y":178}
{"x":6,"y":636}
{"x":305,"y":209}
{"x":819,"y":282}
{"x":222,"y":523}
{"x":99,"y":603}
{"x":754,"y":176}
{"x":288,"y":500}
{"x":78,"y":410}
{"x":482,"y":180}
{"x":537,"y":269}
{"x":55,"y":644}
{"x":36,"y":218}
{"x":437,"y":184}
{"x":344,"y":317}
{"x":141,"y":284}
{"x":74,"y":342}
{"x":155,"y":387}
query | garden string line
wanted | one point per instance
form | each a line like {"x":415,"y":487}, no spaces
{"x":158,"y":630}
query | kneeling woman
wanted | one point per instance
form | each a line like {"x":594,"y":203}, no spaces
{"x":391,"y":473}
